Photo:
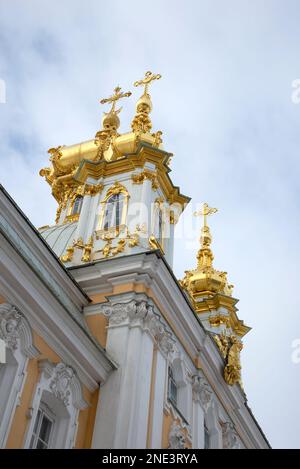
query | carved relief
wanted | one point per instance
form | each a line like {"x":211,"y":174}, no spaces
{"x":202,"y":391}
{"x":15,"y":330}
{"x":177,"y":438}
{"x":230,"y":437}
{"x":60,"y":383}
{"x":9,"y":325}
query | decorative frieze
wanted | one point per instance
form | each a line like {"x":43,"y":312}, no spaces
{"x":141,"y":313}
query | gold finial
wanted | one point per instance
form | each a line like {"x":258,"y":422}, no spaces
{"x":115,"y":97}
{"x":149,"y":76}
{"x":206,"y":210}
{"x":141,"y":122}
{"x":110,"y":120}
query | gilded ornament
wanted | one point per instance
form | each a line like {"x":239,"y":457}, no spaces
{"x":154,"y":244}
{"x":232,"y":371}
{"x":115,"y":189}
{"x":140,"y":178}
{"x":223,"y":343}
{"x":69,"y":254}
{"x":157,"y":138}
{"x":87,"y":250}
{"x":141,"y":122}
{"x":219,"y":320}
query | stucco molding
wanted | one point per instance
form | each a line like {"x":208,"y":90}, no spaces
{"x":230,"y":436}
{"x":202,"y":391}
{"x":15,"y":330}
{"x":141,"y":313}
{"x":63,"y":382}
{"x":177,"y":438}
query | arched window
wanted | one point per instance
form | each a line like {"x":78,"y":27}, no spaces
{"x":113,"y":211}
{"x":172,"y":387}
{"x":77,"y":204}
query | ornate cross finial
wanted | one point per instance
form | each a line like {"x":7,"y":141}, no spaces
{"x":149,"y":76}
{"x":205,"y":211}
{"x":115,"y":97}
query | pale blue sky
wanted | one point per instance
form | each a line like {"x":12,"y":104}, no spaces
{"x":224,"y":106}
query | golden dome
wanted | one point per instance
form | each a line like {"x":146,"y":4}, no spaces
{"x":205,"y":280}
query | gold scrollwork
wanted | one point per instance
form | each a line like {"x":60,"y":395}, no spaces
{"x":140,"y":178}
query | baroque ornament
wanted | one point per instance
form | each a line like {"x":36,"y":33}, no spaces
{"x":141,"y":122}
{"x":230,"y":347}
{"x":230,"y":437}
{"x":110,"y":123}
{"x":177,"y":438}
{"x":10,"y":320}
{"x":60,"y":383}
{"x":202,"y":391}
{"x":140,"y":178}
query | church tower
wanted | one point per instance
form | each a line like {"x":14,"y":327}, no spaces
{"x":114,"y":193}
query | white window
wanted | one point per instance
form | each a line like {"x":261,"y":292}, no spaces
{"x":43,"y":428}
{"x":76,"y":208}
{"x":113,"y":211}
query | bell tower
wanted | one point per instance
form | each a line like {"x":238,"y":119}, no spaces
{"x":114,"y":193}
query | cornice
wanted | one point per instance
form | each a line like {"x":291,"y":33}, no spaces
{"x":130,"y":162}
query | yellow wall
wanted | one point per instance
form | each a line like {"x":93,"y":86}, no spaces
{"x":21,"y":421}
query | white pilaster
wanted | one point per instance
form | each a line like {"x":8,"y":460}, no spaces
{"x":158,"y":401}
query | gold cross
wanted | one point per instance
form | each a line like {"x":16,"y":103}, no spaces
{"x":149,"y":76}
{"x":205,"y":211}
{"x":115,"y":97}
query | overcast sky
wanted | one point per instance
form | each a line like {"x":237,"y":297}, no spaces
{"x":224,"y":106}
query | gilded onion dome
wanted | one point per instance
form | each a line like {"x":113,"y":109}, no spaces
{"x":205,"y":280}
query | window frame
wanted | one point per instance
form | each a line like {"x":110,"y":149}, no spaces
{"x":115,"y":189}
{"x":116,"y":208}
{"x":43,"y":410}
{"x":73,"y":205}
{"x":172,"y":386}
